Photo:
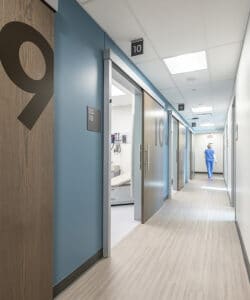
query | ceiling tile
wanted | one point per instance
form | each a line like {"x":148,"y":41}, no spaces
{"x":223,"y":89}
{"x":197,"y":92}
{"x":192,"y":79}
{"x":115,"y":18}
{"x":172,"y":94}
{"x":174,"y":27}
{"x":121,"y":26}
{"x":225,"y":21}
{"x":223,"y":61}
{"x":156,"y":71}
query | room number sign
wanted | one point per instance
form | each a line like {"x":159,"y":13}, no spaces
{"x":137,"y":47}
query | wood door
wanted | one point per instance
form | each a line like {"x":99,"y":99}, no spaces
{"x":181,"y":156}
{"x":153,"y":156}
{"x":191,"y":156}
{"x":174,"y":160}
{"x":26,"y":149}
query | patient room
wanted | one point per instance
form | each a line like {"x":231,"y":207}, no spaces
{"x":125,"y":197}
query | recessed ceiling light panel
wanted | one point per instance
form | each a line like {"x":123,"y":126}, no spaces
{"x":202,"y":109}
{"x":187,"y":62}
{"x":207,"y":125}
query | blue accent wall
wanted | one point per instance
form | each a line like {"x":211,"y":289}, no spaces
{"x":79,"y":46}
{"x":78,"y":152}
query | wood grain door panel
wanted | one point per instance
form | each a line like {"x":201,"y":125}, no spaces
{"x":26,"y":168}
{"x":153,"y":152}
{"x":181,"y":156}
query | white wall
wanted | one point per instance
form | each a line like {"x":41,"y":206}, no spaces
{"x":122,"y":122}
{"x":200,"y":144}
{"x":242,"y":93}
{"x":225,"y":148}
{"x":228,"y":152}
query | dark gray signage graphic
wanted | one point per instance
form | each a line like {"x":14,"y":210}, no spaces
{"x":137,"y":47}
{"x":93,"y":119}
{"x":12,"y":36}
{"x":181,"y":106}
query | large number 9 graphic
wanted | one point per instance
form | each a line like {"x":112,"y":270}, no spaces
{"x":12,"y":36}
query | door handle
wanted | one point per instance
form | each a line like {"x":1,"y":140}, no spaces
{"x":140,"y":156}
{"x":145,"y":161}
{"x":148,"y":157}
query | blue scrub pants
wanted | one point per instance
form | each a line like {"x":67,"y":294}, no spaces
{"x":210,"y":167}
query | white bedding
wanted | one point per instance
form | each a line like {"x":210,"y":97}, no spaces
{"x":120,"y":180}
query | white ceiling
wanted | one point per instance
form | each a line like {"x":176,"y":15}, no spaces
{"x":174,"y":27}
{"x":123,"y":100}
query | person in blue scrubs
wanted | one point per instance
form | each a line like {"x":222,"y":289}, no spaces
{"x":209,"y":157}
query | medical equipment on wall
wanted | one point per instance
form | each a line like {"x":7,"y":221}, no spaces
{"x":116,"y":140}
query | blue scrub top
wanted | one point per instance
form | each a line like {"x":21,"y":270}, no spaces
{"x":209,"y":153}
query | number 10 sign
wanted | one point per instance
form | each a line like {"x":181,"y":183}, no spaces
{"x":137,"y":47}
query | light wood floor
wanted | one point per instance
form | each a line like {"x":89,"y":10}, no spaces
{"x":189,"y":250}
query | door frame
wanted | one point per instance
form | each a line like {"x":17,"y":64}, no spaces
{"x":110,"y":60}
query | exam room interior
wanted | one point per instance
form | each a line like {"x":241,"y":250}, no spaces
{"x":123,"y":187}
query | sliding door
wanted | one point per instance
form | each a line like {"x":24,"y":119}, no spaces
{"x":174,"y":160}
{"x":154,"y":117}
{"x":181,"y":156}
{"x":191,"y":156}
{"x":26,"y":150}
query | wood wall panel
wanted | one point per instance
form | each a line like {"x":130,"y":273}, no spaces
{"x":26,"y":169}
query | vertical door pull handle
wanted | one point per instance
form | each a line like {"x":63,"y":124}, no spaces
{"x":148,"y":159}
{"x":140,"y":156}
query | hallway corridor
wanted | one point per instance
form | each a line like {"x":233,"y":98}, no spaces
{"x":188,"y":250}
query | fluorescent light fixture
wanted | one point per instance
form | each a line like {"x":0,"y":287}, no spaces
{"x":116,"y":91}
{"x":207,"y":125}
{"x":187,"y":62}
{"x":202,"y":109}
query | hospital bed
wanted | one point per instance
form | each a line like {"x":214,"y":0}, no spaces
{"x":121,"y":190}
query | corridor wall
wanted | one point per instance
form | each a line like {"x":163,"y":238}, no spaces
{"x":228,"y":152}
{"x":78,"y":152}
{"x":79,"y":47}
{"x":225,"y":153}
{"x":242,"y":93}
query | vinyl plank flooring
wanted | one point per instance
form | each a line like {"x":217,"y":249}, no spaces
{"x":188,"y":250}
